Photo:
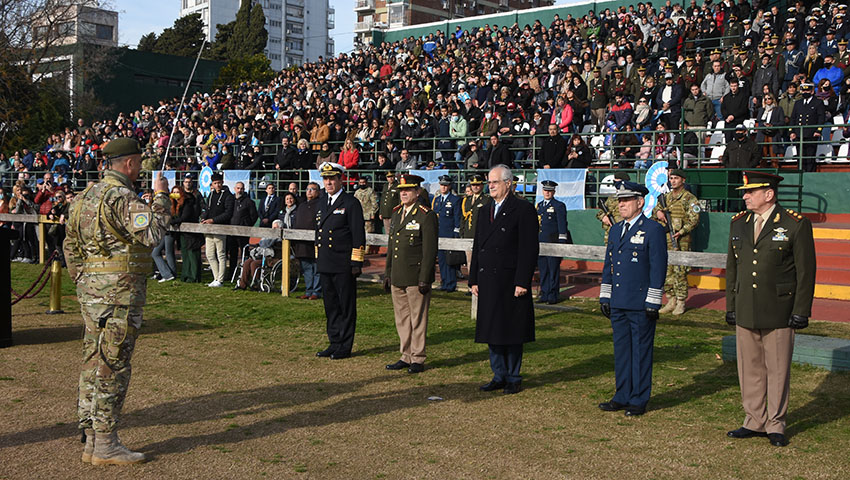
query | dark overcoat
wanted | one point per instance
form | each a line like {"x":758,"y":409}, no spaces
{"x":504,"y":255}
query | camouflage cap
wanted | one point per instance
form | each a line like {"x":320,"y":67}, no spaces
{"x":121,"y":147}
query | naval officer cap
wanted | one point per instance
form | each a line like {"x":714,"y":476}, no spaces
{"x":121,"y":147}
{"x":330,"y":169}
{"x":627,"y":189}
{"x":753,"y":180}
{"x":445,"y":180}
{"x":408,"y":180}
{"x":549,"y":185}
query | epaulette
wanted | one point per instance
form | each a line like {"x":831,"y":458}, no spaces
{"x":739,"y":215}
{"x":424,"y":208}
{"x":397,"y":206}
{"x":795,"y":215}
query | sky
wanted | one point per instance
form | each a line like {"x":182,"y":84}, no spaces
{"x":137,"y":18}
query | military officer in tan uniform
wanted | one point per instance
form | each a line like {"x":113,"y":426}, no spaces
{"x":683,"y":208}
{"x":411,"y":255}
{"x":612,"y":205}
{"x":368,"y":199}
{"x":770,"y":284}
{"x":111,"y":232}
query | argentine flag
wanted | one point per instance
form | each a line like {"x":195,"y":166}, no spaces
{"x":570,"y":189}
{"x":431,"y":181}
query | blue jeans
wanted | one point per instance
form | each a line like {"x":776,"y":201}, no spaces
{"x":168,"y":266}
{"x":311,"y":278}
{"x":716,"y":104}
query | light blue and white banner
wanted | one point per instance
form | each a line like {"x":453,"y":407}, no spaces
{"x":232,"y":177}
{"x":169,"y":175}
{"x":431,"y":181}
{"x":570,"y":189}
{"x":205,"y":181}
{"x":656,"y":181}
{"x":315,"y":176}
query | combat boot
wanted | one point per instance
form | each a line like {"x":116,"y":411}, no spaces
{"x":680,"y":306}
{"x":89,"y":446}
{"x":108,"y":450}
{"x":671,"y":304}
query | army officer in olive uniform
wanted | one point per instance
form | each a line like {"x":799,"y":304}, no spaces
{"x":469,"y":209}
{"x":340,"y":248}
{"x":770,"y":284}
{"x":411,"y":255}
{"x":611,"y":204}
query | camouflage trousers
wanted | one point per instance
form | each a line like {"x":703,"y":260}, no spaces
{"x":106,"y":368}
{"x":676,"y":282}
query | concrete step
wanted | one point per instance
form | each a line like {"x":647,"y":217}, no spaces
{"x":833,"y":354}
{"x":831,"y":275}
{"x":831,"y":247}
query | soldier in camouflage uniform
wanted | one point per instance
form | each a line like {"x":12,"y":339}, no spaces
{"x":684,"y":209}
{"x":369,"y":201}
{"x":469,"y":209}
{"x":111,"y":232}
{"x":612,"y":204}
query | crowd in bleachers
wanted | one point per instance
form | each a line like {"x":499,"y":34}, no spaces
{"x":614,"y":86}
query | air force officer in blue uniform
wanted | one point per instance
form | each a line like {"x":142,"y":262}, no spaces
{"x":552,"y":215}
{"x":447,"y":207}
{"x":632,"y":282}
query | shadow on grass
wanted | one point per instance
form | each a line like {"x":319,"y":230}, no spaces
{"x":703,"y":384}
{"x":830,"y":402}
{"x":344,"y":410}
{"x":47,"y":335}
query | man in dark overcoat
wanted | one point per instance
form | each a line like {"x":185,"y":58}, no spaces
{"x":504,"y":254}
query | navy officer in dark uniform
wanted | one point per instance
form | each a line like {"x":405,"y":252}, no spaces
{"x":447,"y":207}
{"x":632,"y":283}
{"x":552,"y":215}
{"x":808,"y":110}
{"x":340,"y":247}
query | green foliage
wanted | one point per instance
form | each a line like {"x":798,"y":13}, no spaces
{"x":254,"y":68}
{"x":183,"y":39}
{"x":243,"y":37}
{"x":147,"y":43}
{"x":29,"y":111}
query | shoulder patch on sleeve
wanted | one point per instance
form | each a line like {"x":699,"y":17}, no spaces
{"x":140,"y":217}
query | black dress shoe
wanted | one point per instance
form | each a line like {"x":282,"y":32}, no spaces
{"x":635,"y":411}
{"x":491,"y":385}
{"x":745,"y":433}
{"x":397,"y":365}
{"x":777,"y":439}
{"x":612,"y":406}
{"x":340,"y":355}
{"x":511,"y":388}
{"x":552,"y":302}
{"x":416,"y":368}
{"x":326,"y":352}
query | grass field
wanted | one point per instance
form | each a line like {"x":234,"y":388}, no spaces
{"x":226,"y":385}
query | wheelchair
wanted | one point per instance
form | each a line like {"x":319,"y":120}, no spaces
{"x":268,"y":277}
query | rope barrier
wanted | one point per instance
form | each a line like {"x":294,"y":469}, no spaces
{"x":41,"y":278}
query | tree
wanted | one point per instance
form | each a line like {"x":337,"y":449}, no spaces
{"x":243,"y":37}
{"x":183,"y":39}
{"x":147,"y":43}
{"x":34,"y":97}
{"x":256,"y":68}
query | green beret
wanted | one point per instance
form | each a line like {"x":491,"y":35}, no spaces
{"x":121,"y":147}
{"x":678,"y":172}
{"x":622,"y":176}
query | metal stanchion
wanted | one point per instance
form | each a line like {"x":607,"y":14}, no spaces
{"x":55,"y":288}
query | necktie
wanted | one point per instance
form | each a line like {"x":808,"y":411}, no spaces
{"x":626,"y":226}
{"x":492,"y":212}
{"x":268,"y":202}
{"x":330,"y":201}
{"x":759,"y":224}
